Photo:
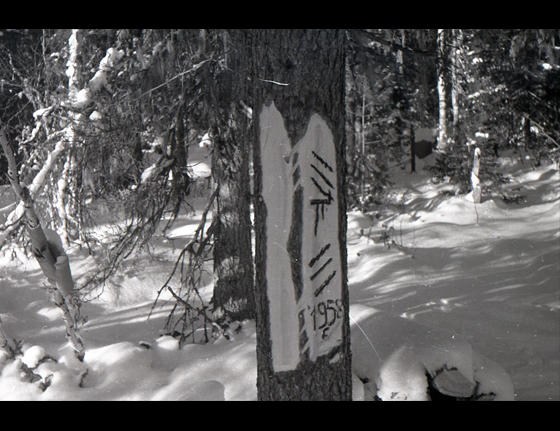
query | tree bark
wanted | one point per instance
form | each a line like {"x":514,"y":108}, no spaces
{"x":4,"y":345}
{"x":303,"y":333}
{"x":233,"y":262}
{"x":475,"y":180}
{"x":457,"y":43}
{"x":412,"y":149}
{"x":48,"y":251}
{"x":442,"y":88}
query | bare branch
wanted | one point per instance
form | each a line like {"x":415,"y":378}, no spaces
{"x":192,"y":69}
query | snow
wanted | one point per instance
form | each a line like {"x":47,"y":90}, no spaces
{"x":464,"y":295}
{"x":488,"y":271}
{"x":33,"y":355}
{"x":424,"y":134}
{"x":399,"y":365}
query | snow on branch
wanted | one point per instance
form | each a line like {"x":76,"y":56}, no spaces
{"x":489,"y":91}
{"x":84,"y":97}
{"x":38,"y":181}
{"x":73,"y":72}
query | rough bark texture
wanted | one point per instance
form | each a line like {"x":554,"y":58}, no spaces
{"x":233,"y":264}
{"x":302,"y":72}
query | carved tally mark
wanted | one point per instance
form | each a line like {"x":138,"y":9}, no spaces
{"x":320,"y":203}
{"x":313,"y":261}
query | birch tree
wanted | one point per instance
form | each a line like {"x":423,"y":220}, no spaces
{"x":442,"y":86}
{"x":47,"y":249}
{"x":457,"y":67}
{"x":475,"y":179}
{"x":4,"y":344}
{"x":48,"y":246}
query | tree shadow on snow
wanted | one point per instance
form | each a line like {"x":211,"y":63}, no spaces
{"x":436,"y":277}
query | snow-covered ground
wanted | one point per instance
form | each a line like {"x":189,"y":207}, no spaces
{"x":478,"y":287}
{"x":490,"y":273}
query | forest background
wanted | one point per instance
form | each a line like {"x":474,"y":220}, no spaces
{"x":108,"y":116}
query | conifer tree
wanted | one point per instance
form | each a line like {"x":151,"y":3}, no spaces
{"x":303,"y":350}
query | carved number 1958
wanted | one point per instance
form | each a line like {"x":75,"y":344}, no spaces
{"x":323,"y":319}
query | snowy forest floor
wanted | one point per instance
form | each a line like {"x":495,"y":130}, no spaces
{"x":488,"y":272}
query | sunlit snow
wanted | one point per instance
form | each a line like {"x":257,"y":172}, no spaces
{"x":437,"y":283}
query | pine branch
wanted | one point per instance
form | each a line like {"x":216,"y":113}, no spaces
{"x":395,"y":46}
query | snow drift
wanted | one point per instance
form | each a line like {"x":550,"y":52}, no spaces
{"x":447,"y":294}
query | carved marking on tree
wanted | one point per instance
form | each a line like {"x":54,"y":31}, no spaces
{"x":303,"y":264}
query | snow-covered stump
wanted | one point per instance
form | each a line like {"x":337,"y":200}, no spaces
{"x":475,"y":180}
{"x":397,"y":360}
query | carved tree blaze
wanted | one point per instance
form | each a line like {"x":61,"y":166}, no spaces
{"x":301,"y":292}
{"x":303,"y":260}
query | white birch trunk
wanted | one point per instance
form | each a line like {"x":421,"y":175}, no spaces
{"x":47,"y":250}
{"x":73,"y":83}
{"x":457,"y":44}
{"x":475,"y":180}
{"x":60,"y":204}
{"x":442,"y":125}
{"x":4,"y":346}
{"x":70,"y":323}
{"x":73,"y":71}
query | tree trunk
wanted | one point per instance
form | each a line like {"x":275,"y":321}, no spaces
{"x":233,"y":262}
{"x":4,"y":345}
{"x":48,"y":250}
{"x":303,"y":333}
{"x":412,"y":149}
{"x":475,"y":180}
{"x":442,"y":88}
{"x":455,"y":70}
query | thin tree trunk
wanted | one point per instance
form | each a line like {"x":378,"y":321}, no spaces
{"x":303,"y":350}
{"x":475,"y":180}
{"x":412,"y":149}
{"x":74,"y":73}
{"x":48,"y":251}
{"x":363,"y":149}
{"x":442,"y":90}
{"x":4,"y":345}
{"x":455,"y":64}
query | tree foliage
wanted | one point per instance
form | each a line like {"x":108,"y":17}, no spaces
{"x":500,"y":92}
{"x":139,"y":119}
